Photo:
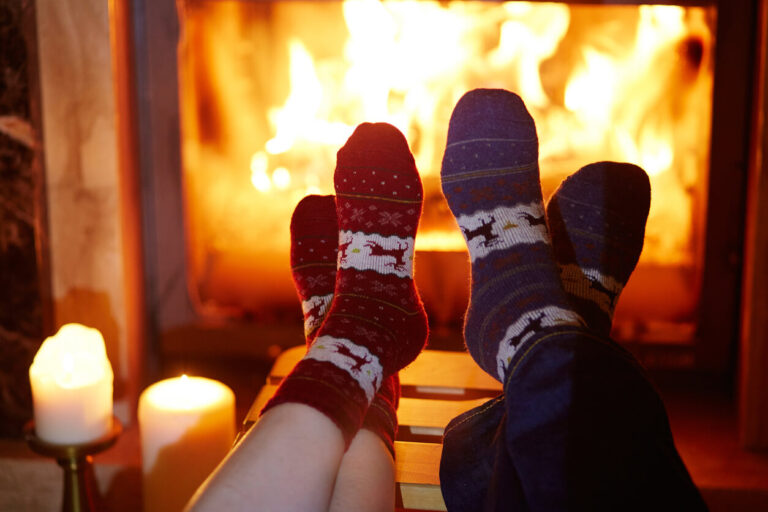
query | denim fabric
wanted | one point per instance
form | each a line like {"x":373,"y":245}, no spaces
{"x":578,"y":427}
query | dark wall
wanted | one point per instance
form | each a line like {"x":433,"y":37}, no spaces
{"x":25,"y":310}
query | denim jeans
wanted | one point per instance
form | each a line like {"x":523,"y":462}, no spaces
{"x":578,"y":427}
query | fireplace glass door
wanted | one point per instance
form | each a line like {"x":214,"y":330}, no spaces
{"x":271,"y":90}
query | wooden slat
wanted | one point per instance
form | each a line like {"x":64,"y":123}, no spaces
{"x":433,"y":369}
{"x":417,"y":463}
{"x":447,"y":369}
{"x":421,"y":497}
{"x":417,"y":469}
{"x":420,"y":412}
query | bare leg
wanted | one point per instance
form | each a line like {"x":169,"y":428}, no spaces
{"x":287,"y":462}
{"x":366,"y":479}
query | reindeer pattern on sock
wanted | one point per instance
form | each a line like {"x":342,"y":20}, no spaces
{"x":370,"y":251}
{"x":533,"y":220}
{"x":485,"y":230}
{"x":314,"y":309}
{"x":343,"y":248}
{"x":356,"y":360}
{"x":503,"y":227}
{"x":526,"y":326}
{"x":398,"y":253}
{"x":590,"y":284}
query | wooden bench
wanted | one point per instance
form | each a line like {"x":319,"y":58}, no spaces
{"x":436,"y":387}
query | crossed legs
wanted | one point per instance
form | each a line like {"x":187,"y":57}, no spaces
{"x":325,"y":439}
{"x":579,"y":425}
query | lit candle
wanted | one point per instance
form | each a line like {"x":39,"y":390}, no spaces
{"x":187,"y":426}
{"x":71,"y":381}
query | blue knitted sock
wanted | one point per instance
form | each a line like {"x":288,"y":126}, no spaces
{"x":597,"y":218}
{"x":490,"y":177}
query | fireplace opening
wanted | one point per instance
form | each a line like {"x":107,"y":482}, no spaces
{"x":270,"y":90}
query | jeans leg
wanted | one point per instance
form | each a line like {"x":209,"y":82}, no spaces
{"x":585,"y":430}
{"x":475,"y":471}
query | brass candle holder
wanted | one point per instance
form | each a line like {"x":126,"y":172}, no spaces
{"x":80,"y":492}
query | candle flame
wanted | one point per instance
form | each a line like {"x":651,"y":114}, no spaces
{"x":74,"y":357}
{"x":186,"y":393}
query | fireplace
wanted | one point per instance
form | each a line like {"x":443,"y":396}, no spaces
{"x":209,"y":273}
{"x":269,"y":93}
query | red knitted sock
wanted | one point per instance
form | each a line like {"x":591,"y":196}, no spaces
{"x":376,"y":323}
{"x":314,"y":245}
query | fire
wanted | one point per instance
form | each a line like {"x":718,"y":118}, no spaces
{"x":625,"y":83}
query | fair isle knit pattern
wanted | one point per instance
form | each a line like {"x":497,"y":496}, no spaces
{"x":354,"y":359}
{"x":314,"y":309}
{"x":314,"y":248}
{"x":314,"y":243}
{"x":589,"y":284}
{"x":378,"y":203}
{"x":502,"y":228}
{"x":597,"y":217}
{"x":376,"y":323}
{"x":490,"y":177}
{"x":370,"y":251}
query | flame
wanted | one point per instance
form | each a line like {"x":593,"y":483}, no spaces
{"x":281,"y":97}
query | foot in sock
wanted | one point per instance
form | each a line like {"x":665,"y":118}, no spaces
{"x":490,"y":177}
{"x":314,"y":248}
{"x":314,"y":244}
{"x":376,"y":323}
{"x":597,"y":218}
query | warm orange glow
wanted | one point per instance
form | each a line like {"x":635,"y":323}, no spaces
{"x":269,"y":97}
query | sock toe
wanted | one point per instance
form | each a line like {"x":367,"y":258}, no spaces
{"x":377,"y":185}
{"x":614,"y":187}
{"x":597,"y":219}
{"x":313,"y":218}
{"x":490,"y":113}
{"x":606,"y":201}
{"x":492,"y":144}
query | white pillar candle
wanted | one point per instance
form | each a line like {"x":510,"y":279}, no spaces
{"x":187,"y":426}
{"x":71,"y":381}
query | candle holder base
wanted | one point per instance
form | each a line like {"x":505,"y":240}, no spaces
{"x":80,"y":492}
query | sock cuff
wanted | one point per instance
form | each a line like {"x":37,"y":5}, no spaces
{"x":381,"y":418}
{"x":327,"y":389}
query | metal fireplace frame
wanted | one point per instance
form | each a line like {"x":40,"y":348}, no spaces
{"x":147,"y":36}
